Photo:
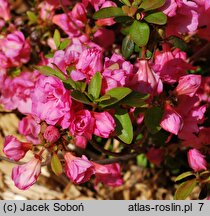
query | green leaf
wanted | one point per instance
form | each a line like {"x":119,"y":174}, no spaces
{"x":103,"y":98}
{"x":57,"y":38}
{"x":80,"y":97}
{"x":142,"y":160}
{"x":124,"y":128}
{"x":48,"y":71}
{"x":64,"y":44}
{"x":116,"y":94}
{"x":56,"y":165}
{"x":32,"y":17}
{"x":108,"y":12}
{"x":127,"y":47}
{"x":94,"y":87}
{"x":126,"y":2}
{"x":179,"y":43}
{"x":183,"y":175}
{"x":152,"y":4}
{"x":185,"y":189}
{"x":158,"y":18}
{"x":152,"y":119}
{"x":139,"y":32}
{"x":136,"y":99}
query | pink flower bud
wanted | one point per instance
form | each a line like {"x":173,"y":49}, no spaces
{"x":14,"y":149}
{"x":155,"y":156}
{"x":4,"y":10}
{"x":51,"y":134}
{"x":196,"y":160}
{"x":171,"y":121}
{"x":80,"y":141}
{"x":104,"y":124}
{"x":188,"y":85}
{"x":24,"y":176}
{"x":78,"y":170}
{"x":108,"y":174}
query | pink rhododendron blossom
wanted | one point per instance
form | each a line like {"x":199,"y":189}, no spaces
{"x":95,"y":3}
{"x":188,"y":85}
{"x":78,"y":170}
{"x":104,"y":124}
{"x":146,"y":80}
{"x":5,"y":10}
{"x":108,"y":174}
{"x":169,"y":8}
{"x":46,"y":11}
{"x":155,"y":156}
{"x":51,"y":134}
{"x":24,"y":176}
{"x":204,"y":90}
{"x":16,"y":48}
{"x":21,"y":97}
{"x":80,"y":141}
{"x":82,"y":124}
{"x":51,"y":101}
{"x":29,"y":127}
{"x":14,"y":149}
{"x":106,"y":21}
{"x":117,"y":72}
{"x":90,"y":62}
{"x":185,"y":19}
{"x":171,"y":65}
{"x":171,"y":120}
{"x":196,"y":160}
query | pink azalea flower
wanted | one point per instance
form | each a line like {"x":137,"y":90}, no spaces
{"x":196,"y":160}
{"x":108,"y":174}
{"x":24,"y":176}
{"x":188,"y":85}
{"x":78,"y":170}
{"x":51,"y":101}
{"x":30,"y":128}
{"x":146,"y":80}
{"x":51,"y":134}
{"x":5,"y":10}
{"x":95,"y":3}
{"x":82,"y":124}
{"x":171,"y":120}
{"x":104,"y":124}
{"x":14,"y":149}
{"x":46,"y":11}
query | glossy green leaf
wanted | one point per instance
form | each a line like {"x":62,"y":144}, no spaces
{"x":185,"y":189}
{"x":184,"y":175}
{"x":124,"y":128}
{"x":48,"y":71}
{"x":57,"y":38}
{"x":116,"y":94}
{"x":139,"y":33}
{"x":64,"y":44}
{"x":152,"y":4}
{"x":179,"y":43}
{"x":108,"y":12}
{"x":152,"y":119}
{"x":142,"y":160}
{"x":127,"y":47}
{"x":158,"y":18}
{"x":94,"y":87}
{"x":80,"y":97}
{"x":136,"y":99}
{"x":56,"y":165}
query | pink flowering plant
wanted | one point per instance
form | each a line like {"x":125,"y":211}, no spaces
{"x":87,"y":76}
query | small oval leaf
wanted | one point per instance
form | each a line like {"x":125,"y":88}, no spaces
{"x":184,"y":175}
{"x":108,"y":12}
{"x":57,"y":38}
{"x":127,"y":47}
{"x":152,"y":4}
{"x":56,"y":165}
{"x":124,"y":127}
{"x":139,"y":33}
{"x":116,"y":94}
{"x":64,"y":44}
{"x":80,"y":97}
{"x":185,"y":189}
{"x":94,"y":87}
{"x":158,"y":18}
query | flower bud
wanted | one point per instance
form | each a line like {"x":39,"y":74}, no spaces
{"x":14,"y":149}
{"x":24,"y":176}
{"x":196,"y":160}
{"x":51,"y":134}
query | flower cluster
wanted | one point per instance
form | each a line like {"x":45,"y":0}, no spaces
{"x":88,"y":74}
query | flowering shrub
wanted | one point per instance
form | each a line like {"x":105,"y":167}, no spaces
{"x":85,"y":75}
